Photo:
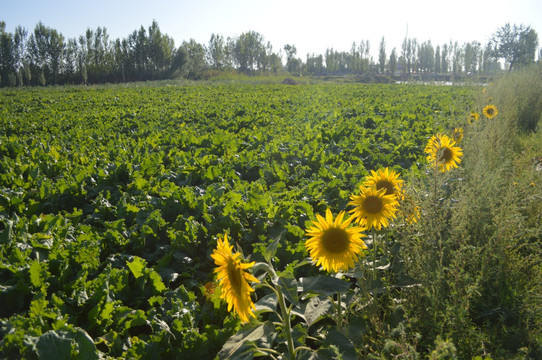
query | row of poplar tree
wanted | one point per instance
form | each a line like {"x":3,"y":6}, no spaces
{"x":45,"y":57}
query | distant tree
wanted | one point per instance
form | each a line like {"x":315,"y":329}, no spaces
{"x":331,"y":66}
{"x":437,"y":60}
{"x":393,"y":62}
{"x":180,"y":58}
{"x":195,"y":59}
{"x":216,"y":52}
{"x":457,"y":57}
{"x":274,"y":63}
{"x":46,"y":47}
{"x":248,"y":51}
{"x":515,"y":44}
{"x":426,"y":56}
{"x":160,"y":52}
{"x":20,"y":39}
{"x":444,"y":64}
{"x":364,"y":49}
{"x":292,"y":64}
{"x":315,"y":64}
{"x":382,"y":55}
{"x":69,"y":66}
{"x":414,"y":53}
{"x":7,"y":56}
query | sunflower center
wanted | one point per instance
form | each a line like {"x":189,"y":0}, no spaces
{"x":445,"y":155}
{"x":381,"y":184}
{"x":234,"y":276}
{"x":372,"y":204}
{"x":335,"y":240}
{"x":489,"y":111}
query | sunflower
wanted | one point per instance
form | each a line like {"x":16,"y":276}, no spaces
{"x":373,"y":207}
{"x":473,"y":117}
{"x":333,"y":244}
{"x":490,"y":111}
{"x":234,"y":279}
{"x":410,"y":210}
{"x":443,"y":153}
{"x":386,"y":179}
{"x":457,"y":135}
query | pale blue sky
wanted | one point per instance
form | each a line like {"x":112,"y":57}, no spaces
{"x":310,"y":25}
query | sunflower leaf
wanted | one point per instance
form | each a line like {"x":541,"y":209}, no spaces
{"x":315,"y":308}
{"x":267,"y":304}
{"x":288,"y":283}
{"x":271,"y":250}
{"x":324,"y":285}
{"x":236,"y":346}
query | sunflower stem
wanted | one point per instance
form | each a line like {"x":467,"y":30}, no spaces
{"x":285,"y":311}
{"x":374,"y":254}
{"x":286,"y":323}
{"x":339,"y":312}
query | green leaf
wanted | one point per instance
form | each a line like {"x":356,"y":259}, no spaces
{"x":267,"y":304}
{"x":339,"y":343}
{"x":157,"y":281}
{"x":106,"y":311}
{"x":6,"y":235}
{"x":136,"y":266}
{"x":53,"y":346}
{"x":35,"y":274}
{"x":324,"y":285}
{"x":271,"y":249}
{"x":132,"y":208}
{"x":315,"y":308}
{"x":54,"y":153}
{"x":87,"y":349}
{"x":288,"y":283}
{"x":235,"y":343}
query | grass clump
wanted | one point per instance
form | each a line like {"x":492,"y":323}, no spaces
{"x":477,"y":252}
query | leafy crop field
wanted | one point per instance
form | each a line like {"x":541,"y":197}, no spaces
{"x":112,"y":200}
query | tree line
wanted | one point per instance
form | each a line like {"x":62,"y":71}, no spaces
{"x":44,"y":56}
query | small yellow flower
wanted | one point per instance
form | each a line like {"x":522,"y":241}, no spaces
{"x":410,"y":210}
{"x":234,"y":279}
{"x":333,"y":244}
{"x":490,"y":111}
{"x":473,"y":117}
{"x":457,"y":135}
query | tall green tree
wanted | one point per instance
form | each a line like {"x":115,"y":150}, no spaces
{"x":195,"y":59}
{"x":426,"y":56}
{"x":249,"y":52}
{"x":46,"y":47}
{"x":392,"y":64}
{"x":160,"y":52}
{"x":444,"y":63}
{"x":292,"y":63}
{"x":515,"y":44}
{"x":437,"y":60}
{"x":7,"y":57}
{"x":471,"y":53}
{"x":382,"y":56}
{"x":216,"y":52}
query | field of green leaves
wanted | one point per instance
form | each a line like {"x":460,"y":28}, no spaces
{"x":112,"y":200}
